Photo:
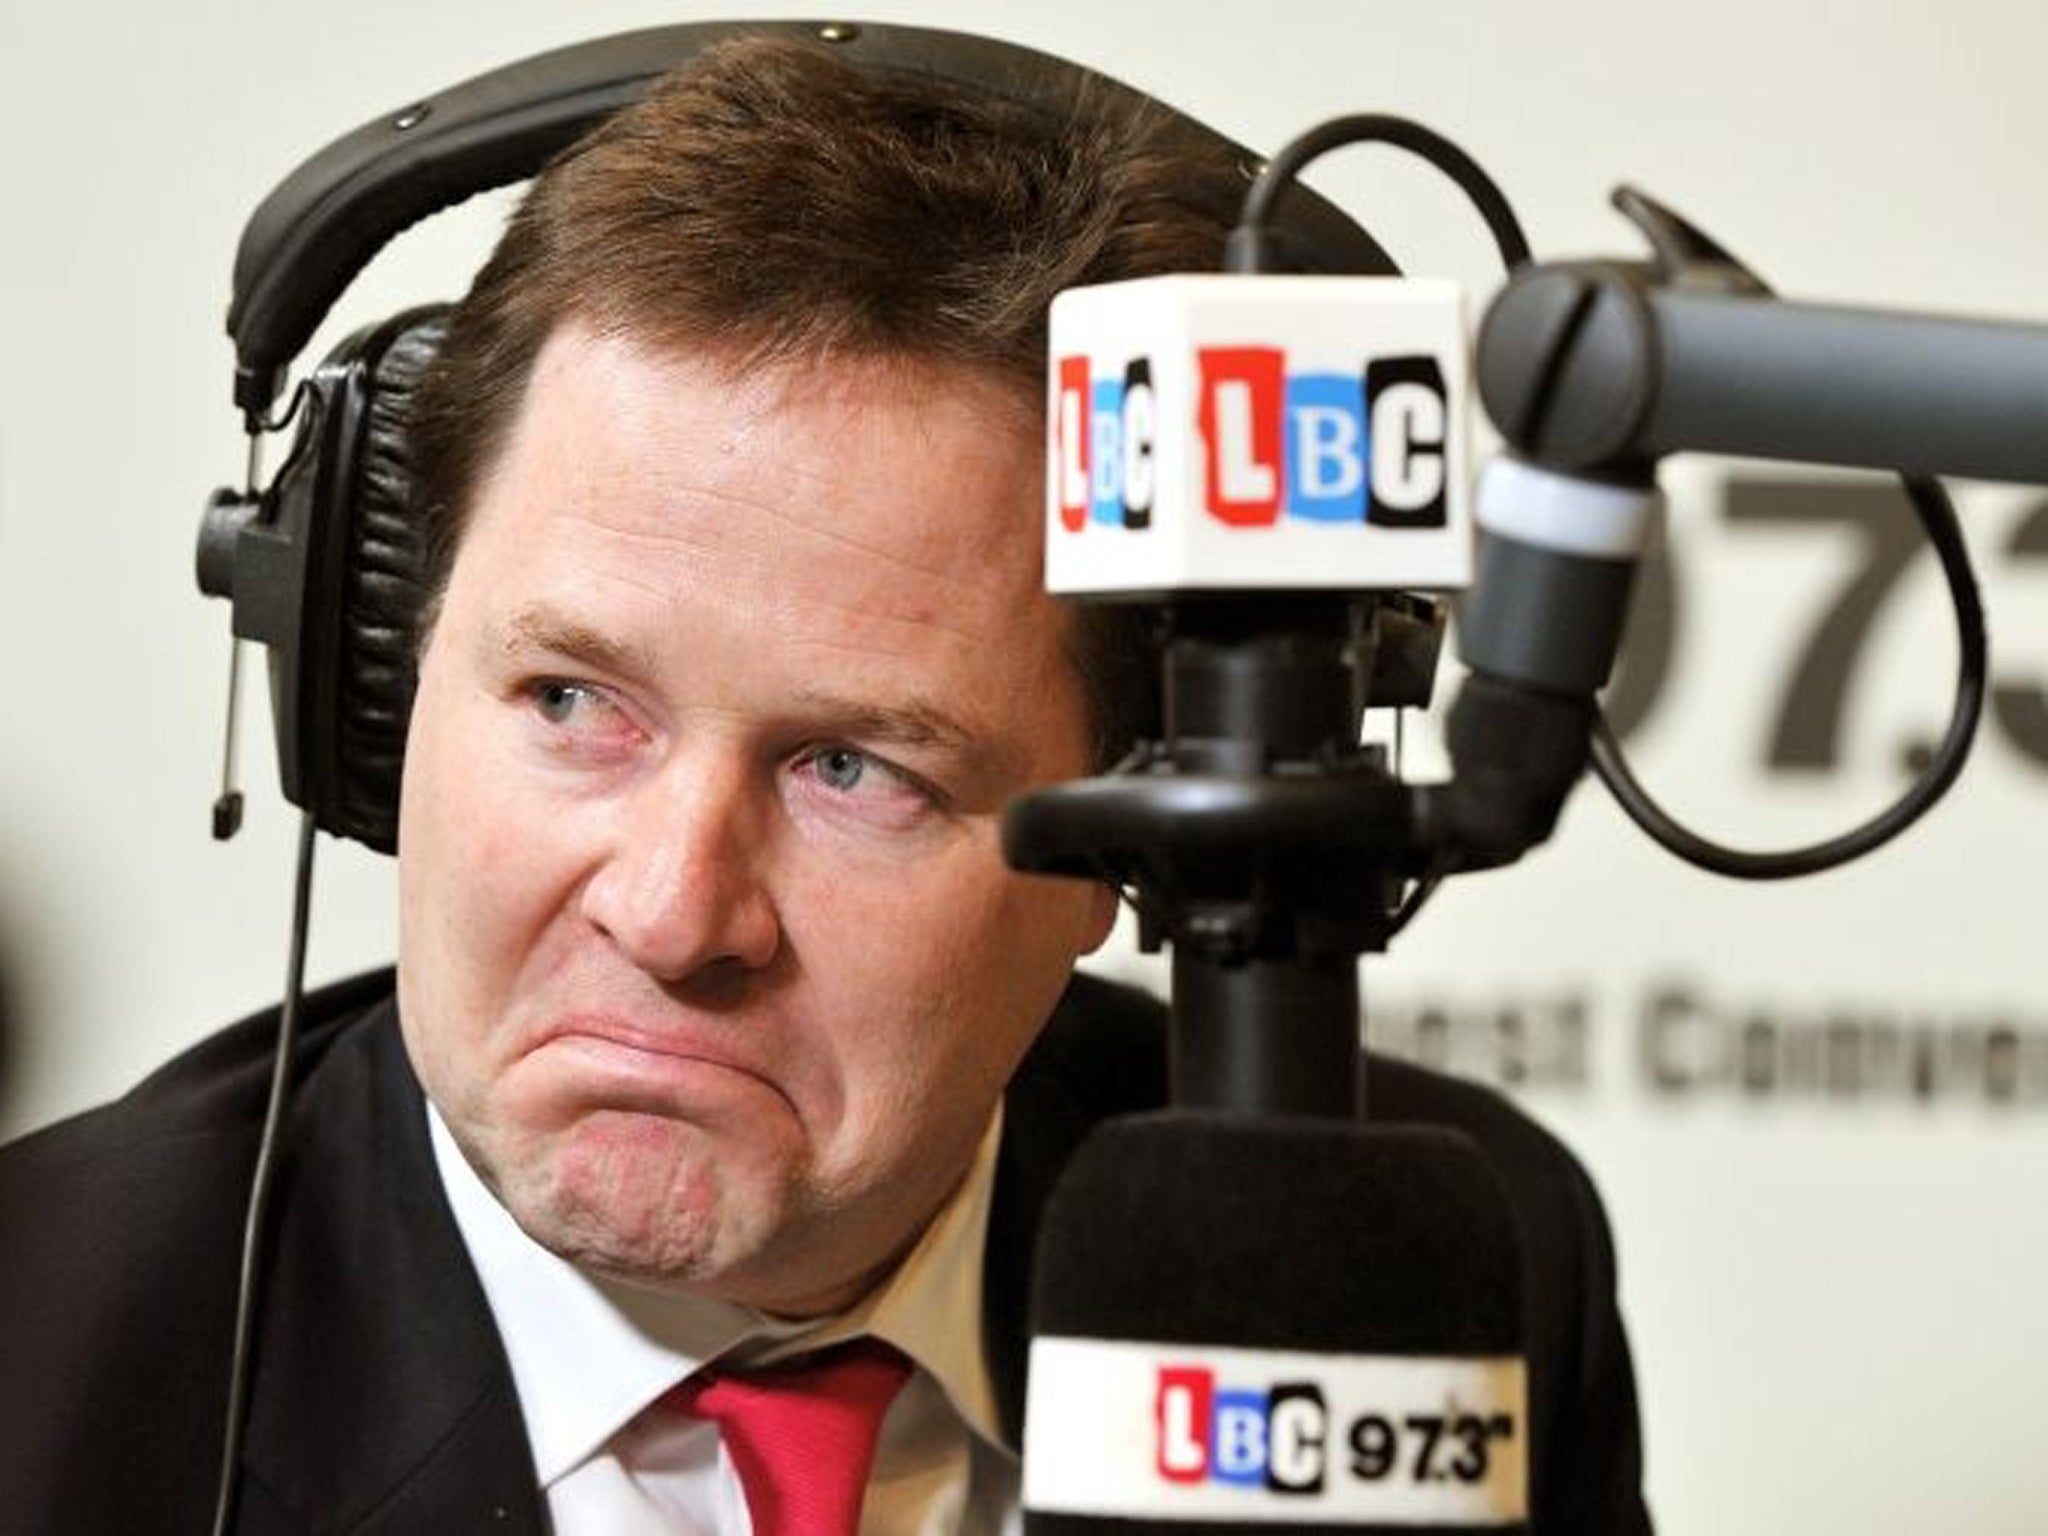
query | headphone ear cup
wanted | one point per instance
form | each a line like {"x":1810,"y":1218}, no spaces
{"x":354,"y":752}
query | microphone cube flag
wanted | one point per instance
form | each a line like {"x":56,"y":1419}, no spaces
{"x":1212,"y":432}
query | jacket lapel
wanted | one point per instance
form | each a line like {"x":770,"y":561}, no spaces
{"x":382,"y":1401}
{"x":1102,"y":1053}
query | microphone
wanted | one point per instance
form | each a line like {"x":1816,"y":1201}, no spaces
{"x":1278,"y":1324}
{"x":1252,"y":1310}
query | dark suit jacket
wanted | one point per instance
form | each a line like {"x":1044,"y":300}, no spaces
{"x":382,"y":1401}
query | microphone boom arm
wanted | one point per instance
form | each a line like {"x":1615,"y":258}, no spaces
{"x":1595,"y":370}
{"x":1592,"y":366}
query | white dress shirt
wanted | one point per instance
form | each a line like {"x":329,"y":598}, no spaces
{"x":589,"y":1356}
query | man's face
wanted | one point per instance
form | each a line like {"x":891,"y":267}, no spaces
{"x":708,"y":953}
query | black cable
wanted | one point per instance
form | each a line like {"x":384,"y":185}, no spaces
{"x":1937,"y":515}
{"x":256,"y":1219}
{"x":1247,"y":250}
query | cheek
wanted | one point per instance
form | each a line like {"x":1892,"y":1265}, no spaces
{"x":955,"y":971}
{"x":476,"y":834}
{"x":479,"y":874}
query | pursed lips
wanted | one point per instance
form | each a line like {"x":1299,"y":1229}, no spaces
{"x":646,"y":1053}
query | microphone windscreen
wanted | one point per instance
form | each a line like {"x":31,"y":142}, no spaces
{"x":1296,"y":1324}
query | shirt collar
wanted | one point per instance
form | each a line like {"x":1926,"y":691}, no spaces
{"x":589,"y":1354}
{"x":930,"y":1305}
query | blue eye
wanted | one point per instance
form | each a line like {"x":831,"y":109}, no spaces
{"x":853,"y":787}
{"x":577,"y":722}
{"x":840,"y":768}
{"x":557,"y":701}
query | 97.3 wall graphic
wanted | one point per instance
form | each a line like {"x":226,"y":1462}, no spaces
{"x":1847,"y":566}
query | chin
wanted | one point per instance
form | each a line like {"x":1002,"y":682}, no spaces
{"x":630,"y":1196}
{"x":657,"y":1248}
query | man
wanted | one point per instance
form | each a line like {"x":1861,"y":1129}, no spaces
{"x":731,"y":1024}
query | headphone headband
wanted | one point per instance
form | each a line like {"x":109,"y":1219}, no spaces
{"x":321,"y":225}
{"x":327,"y":566}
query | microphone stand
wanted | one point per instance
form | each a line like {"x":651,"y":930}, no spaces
{"x":1272,"y":850}
{"x":1259,"y":838}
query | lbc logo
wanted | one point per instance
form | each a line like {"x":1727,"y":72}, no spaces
{"x":1106,"y":431}
{"x":1271,"y":1438}
{"x":1362,"y":447}
{"x":1331,"y":447}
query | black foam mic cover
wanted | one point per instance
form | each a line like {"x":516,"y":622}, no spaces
{"x":1286,"y":1324}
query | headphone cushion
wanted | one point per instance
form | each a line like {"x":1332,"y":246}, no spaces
{"x":384,"y":592}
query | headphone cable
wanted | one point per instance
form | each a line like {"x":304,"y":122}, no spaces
{"x":254,"y":1222}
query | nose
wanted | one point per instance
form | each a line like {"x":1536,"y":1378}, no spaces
{"x":682,"y":889}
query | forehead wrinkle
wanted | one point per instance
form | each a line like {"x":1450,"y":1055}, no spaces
{"x":756,"y":520}
{"x":992,"y":411}
{"x":899,"y":553}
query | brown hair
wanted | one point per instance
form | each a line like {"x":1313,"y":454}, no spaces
{"x":772,"y":202}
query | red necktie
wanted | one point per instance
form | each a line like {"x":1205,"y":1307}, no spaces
{"x":802,"y":1436}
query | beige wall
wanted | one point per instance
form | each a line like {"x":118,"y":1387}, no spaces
{"x":1834,"y":1295}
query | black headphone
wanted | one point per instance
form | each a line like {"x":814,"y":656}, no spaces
{"x":325,"y":567}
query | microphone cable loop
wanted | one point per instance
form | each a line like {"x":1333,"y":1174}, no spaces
{"x":1248,"y":250}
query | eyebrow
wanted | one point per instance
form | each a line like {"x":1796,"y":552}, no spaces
{"x":915,"y":723}
{"x":540,"y":628}
{"x":911,"y":723}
